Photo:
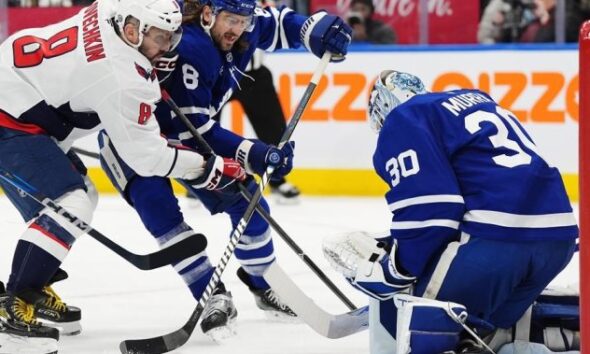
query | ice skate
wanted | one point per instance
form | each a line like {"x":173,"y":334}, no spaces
{"x":285,"y":193}
{"x":53,"y":312}
{"x":268,"y":301}
{"x":219,"y":315}
{"x":20,"y":332}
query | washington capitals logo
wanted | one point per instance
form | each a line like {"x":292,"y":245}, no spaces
{"x":146,"y":74}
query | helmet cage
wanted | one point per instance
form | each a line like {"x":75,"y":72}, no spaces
{"x":391,"y":89}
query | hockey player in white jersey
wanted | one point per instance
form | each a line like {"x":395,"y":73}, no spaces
{"x":62,"y":82}
{"x":480,"y":219}
{"x":220,"y":37}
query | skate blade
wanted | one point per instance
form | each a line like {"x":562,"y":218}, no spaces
{"x":13,"y":344}
{"x":222,"y":333}
{"x":64,"y":328}
{"x":279,"y":199}
{"x":280,"y":317}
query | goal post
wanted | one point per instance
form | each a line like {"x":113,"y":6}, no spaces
{"x":584,"y":180}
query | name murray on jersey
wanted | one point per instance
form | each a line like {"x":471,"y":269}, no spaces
{"x":91,"y":36}
{"x":458,"y":103}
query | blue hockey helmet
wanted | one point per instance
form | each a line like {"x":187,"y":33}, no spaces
{"x":238,"y":7}
{"x":391,"y":89}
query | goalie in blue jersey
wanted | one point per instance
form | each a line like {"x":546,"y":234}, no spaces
{"x":219,"y":39}
{"x":481,"y":224}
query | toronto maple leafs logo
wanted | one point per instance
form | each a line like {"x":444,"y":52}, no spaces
{"x":146,"y":74}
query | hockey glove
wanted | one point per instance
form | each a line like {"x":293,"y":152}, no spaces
{"x":219,"y":173}
{"x":255,"y":156}
{"x":322,"y":32}
{"x":366,"y":265}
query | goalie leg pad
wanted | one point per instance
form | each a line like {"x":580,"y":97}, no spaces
{"x":523,"y":347}
{"x":427,"y":326}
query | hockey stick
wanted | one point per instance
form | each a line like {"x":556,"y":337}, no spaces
{"x":173,"y":340}
{"x":269,"y":219}
{"x":324,"y":323}
{"x":263,"y":213}
{"x":207,"y":150}
{"x":174,"y":253}
{"x":94,"y":155}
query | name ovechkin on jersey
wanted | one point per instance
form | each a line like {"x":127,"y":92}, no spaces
{"x":91,"y":34}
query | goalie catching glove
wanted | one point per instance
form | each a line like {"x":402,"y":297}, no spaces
{"x":366,"y":264}
{"x":219,"y":173}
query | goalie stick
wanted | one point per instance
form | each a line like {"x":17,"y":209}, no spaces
{"x":174,"y":253}
{"x":304,"y":257}
{"x":324,"y":323}
{"x":173,"y":340}
{"x":265,"y":215}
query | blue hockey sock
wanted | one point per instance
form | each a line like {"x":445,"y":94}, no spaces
{"x":38,"y":254}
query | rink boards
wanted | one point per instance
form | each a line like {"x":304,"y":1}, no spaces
{"x":335,"y":144}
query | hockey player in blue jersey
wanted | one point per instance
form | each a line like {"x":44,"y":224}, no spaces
{"x":480,"y":219}
{"x":219,"y":38}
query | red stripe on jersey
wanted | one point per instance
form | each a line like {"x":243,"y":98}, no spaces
{"x":50,"y":235}
{"x":9,"y":122}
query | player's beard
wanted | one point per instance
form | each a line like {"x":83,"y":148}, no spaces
{"x":226,"y":40}
{"x":153,"y":58}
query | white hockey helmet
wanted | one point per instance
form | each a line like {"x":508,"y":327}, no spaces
{"x":163,"y":14}
{"x":391,"y":89}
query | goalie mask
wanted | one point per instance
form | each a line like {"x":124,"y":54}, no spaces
{"x":391,"y":89}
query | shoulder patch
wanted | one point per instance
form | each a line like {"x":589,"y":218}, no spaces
{"x":146,"y":74}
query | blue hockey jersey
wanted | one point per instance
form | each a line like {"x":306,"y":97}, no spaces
{"x":457,"y":162}
{"x":205,"y":76}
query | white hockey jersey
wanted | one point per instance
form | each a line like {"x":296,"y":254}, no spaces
{"x":77,"y":76}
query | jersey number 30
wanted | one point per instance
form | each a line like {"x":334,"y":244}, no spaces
{"x":404,"y":165}
{"x":503,"y":119}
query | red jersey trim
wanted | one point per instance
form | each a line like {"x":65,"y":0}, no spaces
{"x":11,"y":123}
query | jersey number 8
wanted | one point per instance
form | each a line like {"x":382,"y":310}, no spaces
{"x":30,"y":51}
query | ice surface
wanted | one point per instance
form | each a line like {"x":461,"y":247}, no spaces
{"x":121,"y":302}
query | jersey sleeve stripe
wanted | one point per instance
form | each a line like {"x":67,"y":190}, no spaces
{"x":276,"y":15}
{"x":517,"y":220}
{"x":427,"y":199}
{"x":187,"y":135}
{"x":404,"y":225}
{"x":283,"y":34}
{"x":193,"y":110}
{"x":206,"y":127}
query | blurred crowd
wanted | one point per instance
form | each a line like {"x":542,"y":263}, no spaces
{"x":529,"y":21}
{"x":501,"y":21}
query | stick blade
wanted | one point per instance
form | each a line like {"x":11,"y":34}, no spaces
{"x":155,"y":345}
{"x":324,"y":323}
{"x":164,"y":343}
{"x":186,"y":248}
